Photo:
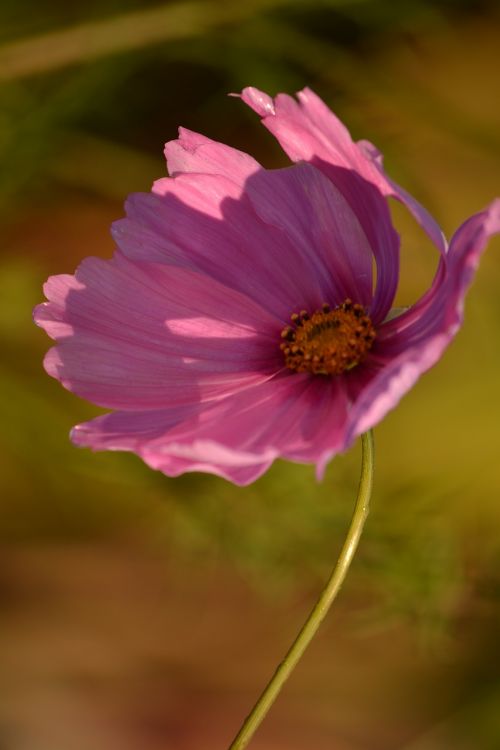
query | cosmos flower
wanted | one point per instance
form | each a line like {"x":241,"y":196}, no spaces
{"x":239,"y":320}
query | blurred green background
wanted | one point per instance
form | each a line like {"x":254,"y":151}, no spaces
{"x":145,"y":613}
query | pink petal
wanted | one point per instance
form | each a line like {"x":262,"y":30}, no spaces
{"x":410,"y":344}
{"x":193,"y":152}
{"x":391,"y":188}
{"x":309,"y":131}
{"x":349,"y":178}
{"x":130,"y":430}
{"x":303,"y":203}
{"x":237,"y":438}
{"x":259,"y":101}
{"x":209,"y":223}
{"x":137,"y":336}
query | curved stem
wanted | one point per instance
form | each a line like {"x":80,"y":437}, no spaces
{"x":320,"y":609}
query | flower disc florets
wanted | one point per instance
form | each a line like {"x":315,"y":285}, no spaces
{"x":328,"y":342}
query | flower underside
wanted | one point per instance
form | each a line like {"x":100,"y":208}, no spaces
{"x":329,"y":341}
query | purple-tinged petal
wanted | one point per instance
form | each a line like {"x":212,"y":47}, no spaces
{"x":130,"y":430}
{"x":389,"y":187}
{"x":411,"y":343}
{"x":141,"y":336}
{"x":134,"y":431}
{"x":296,"y":418}
{"x":309,"y":131}
{"x":318,"y":220}
{"x":209,"y":223}
{"x":441,"y":307}
{"x":299,"y":418}
{"x":326,"y":143}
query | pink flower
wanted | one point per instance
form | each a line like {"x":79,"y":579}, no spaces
{"x":186,"y":332}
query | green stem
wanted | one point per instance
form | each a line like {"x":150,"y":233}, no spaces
{"x":311,"y":625}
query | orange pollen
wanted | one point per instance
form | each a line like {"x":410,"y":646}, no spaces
{"x":328,"y":342}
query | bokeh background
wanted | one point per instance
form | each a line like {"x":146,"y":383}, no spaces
{"x":145,"y":613}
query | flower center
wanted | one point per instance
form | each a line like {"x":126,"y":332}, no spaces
{"x":328,"y":342}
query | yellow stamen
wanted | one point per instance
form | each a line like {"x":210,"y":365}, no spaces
{"x":328,"y":342}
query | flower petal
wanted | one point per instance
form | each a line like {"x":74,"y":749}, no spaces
{"x":295,"y":417}
{"x":408,"y":345}
{"x":209,"y":223}
{"x":302,"y":202}
{"x":309,"y":131}
{"x":136,"y":335}
{"x":391,"y":188}
{"x":325,"y":143}
{"x":193,"y":152}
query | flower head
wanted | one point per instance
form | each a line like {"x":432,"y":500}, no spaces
{"x":239,"y":321}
